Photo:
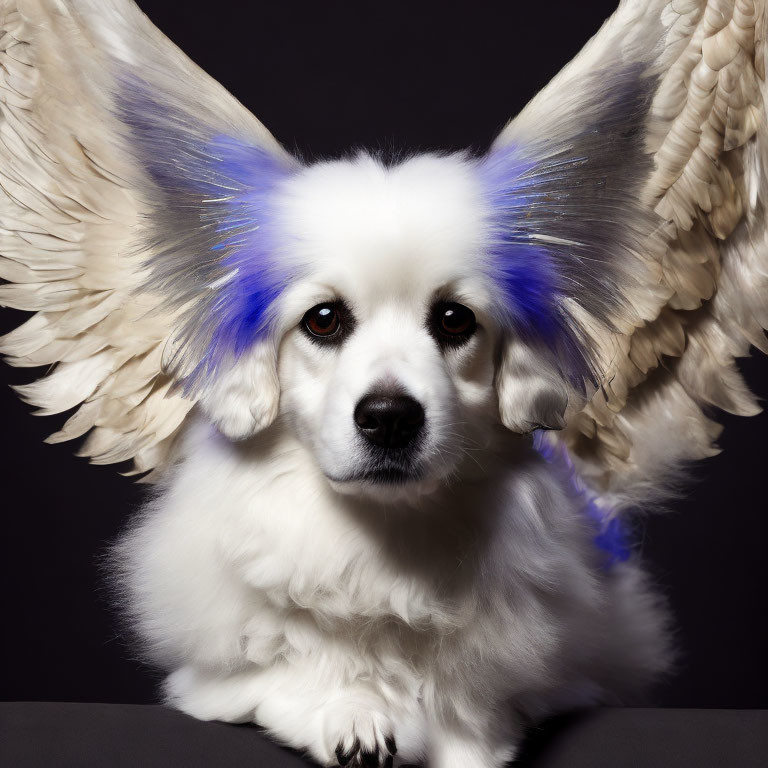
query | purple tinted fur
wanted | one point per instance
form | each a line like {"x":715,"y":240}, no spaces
{"x":245,"y":223}
{"x":212,"y":242}
{"x":530,"y":260}
{"x":523,"y":268}
{"x":611,"y":536}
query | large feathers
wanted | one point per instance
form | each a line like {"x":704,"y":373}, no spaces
{"x":125,"y":178}
{"x":134,"y":222}
{"x":694,"y":295}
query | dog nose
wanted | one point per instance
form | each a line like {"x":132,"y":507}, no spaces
{"x":390,"y":421}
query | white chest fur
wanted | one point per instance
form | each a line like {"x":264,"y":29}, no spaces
{"x":250,"y":564}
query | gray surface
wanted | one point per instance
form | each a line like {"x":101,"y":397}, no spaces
{"x":33,"y":735}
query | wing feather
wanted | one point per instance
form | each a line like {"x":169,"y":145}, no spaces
{"x":708,"y":301}
{"x":79,"y":216}
{"x":694,"y":297}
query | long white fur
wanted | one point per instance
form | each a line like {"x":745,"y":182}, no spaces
{"x":451,"y":611}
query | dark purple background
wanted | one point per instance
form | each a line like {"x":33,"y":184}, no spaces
{"x":327,"y":78}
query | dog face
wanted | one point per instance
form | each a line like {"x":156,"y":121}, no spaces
{"x":387,"y":368}
{"x":388,"y":347}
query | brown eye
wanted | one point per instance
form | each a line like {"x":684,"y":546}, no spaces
{"x":453,"y":323}
{"x":327,"y":322}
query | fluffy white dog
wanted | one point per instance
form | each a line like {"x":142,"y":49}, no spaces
{"x":386,"y":560}
{"x":363,"y":537}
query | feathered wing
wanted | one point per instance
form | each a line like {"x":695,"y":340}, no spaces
{"x":127,"y":177}
{"x":669,"y":273}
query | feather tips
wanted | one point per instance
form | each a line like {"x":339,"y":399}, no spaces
{"x":705,"y":301}
{"x":80,"y":241}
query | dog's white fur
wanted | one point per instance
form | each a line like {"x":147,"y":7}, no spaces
{"x":446,"y":611}
{"x":267,"y":576}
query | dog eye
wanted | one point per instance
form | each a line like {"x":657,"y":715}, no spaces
{"x":452,"y":323}
{"x":326,"y":322}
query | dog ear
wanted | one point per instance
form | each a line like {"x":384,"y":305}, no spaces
{"x":244,"y":399}
{"x":531,"y":391}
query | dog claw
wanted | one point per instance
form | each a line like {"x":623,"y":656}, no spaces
{"x":358,"y":757}
{"x":345,"y":757}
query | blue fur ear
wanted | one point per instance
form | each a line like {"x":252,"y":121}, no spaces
{"x":212,"y":245}
{"x":566,"y":223}
{"x":248,"y":244}
{"x":523,"y":268}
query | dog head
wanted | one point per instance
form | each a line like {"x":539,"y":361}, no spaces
{"x":388,"y":370}
{"x":389,"y":354}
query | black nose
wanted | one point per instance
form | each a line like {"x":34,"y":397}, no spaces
{"x":390,"y":421}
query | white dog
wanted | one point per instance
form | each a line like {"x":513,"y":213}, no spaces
{"x":362,"y":537}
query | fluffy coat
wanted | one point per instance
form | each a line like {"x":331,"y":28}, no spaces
{"x":405,"y":603}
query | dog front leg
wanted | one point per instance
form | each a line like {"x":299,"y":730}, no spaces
{"x":308,"y":706}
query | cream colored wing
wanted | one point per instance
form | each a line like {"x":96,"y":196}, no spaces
{"x":690,"y":293}
{"x":116,"y":157}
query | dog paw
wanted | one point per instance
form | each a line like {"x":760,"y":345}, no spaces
{"x":361,"y":739}
{"x":370,"y":756}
